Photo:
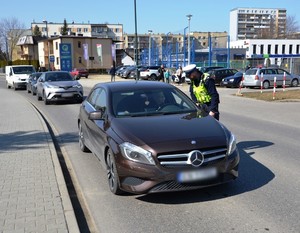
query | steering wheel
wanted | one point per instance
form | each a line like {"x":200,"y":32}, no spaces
{"x":168,"y":107}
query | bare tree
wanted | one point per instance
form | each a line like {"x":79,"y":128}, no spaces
{"x":292,"y":26}
{"x":11,"y":30}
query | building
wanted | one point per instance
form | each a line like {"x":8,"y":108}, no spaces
{"x":68,"y":52}
{"x":113,"y":31}
{"x":257,"y":23}
{"x":280,"y":52}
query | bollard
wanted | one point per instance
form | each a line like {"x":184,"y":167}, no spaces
{"x":261,"y":82}
{"x":274,"y":88}
{"x":284,"y":78}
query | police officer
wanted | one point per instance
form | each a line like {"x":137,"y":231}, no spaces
{"x":203,"y":90}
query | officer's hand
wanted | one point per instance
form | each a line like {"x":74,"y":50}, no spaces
{"x":212,"y":114}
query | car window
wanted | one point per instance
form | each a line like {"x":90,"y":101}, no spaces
{"x":100,"y":103}
{"x":251,"y":72}
{"x":281,"y":72}
{"x":93,"y":96}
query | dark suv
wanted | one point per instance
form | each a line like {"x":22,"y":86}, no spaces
{"x":219,"y":74}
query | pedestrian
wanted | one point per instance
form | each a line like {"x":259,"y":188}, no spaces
{"x":179,"y":75}
{"x":167,"y":76}
{"x":112,"y":73}
{"x":161,"y":71}
{"x":203,"y":90}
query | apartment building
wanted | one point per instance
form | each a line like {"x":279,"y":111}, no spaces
{"x":113,"y":31}
{"x":257,"y":23}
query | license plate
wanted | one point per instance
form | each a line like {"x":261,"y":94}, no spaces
{"x":197,"y":175}
{"x":225,"y":82}
{"x":67,"y":95}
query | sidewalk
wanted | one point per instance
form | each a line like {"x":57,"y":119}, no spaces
{"x":33,"y":193}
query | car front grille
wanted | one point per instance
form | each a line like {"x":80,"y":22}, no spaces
{"x":180,"y":160}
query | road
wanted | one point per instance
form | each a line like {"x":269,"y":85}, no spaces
{"x":265,"y":197}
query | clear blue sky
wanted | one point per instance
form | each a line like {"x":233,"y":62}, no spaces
{"x":161,"y":16}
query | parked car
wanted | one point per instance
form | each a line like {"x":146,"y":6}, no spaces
{"x":125,"y":73}
{"x":232,"y":81}
{"x":254,"y":77}
{"x":151,"y":73}
{"x":53,"y":86}
{"x":204,"y":69}
{"x":133,"y":72}
{"x":219,"y":74}
{"x":32,"y":82}
{"x":151,"y":137}
{"x":120,"y":69}
{"x":77,"y":73}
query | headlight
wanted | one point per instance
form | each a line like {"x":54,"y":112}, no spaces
{"x":136,"y":154}
{"x":231,"y":80}
{"x":231,"y":145}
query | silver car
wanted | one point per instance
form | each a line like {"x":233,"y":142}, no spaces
{"x":55,"y":86}
{"x":255,"y":77}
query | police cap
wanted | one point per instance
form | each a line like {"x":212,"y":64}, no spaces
{"x":189,"y":69}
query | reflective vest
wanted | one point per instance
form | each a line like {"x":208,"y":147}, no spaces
{"x":200,"y":92}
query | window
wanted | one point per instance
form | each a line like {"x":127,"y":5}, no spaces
{"x":254,"y":49}
{"x":276,"y":49}
{"x":269,"y":49}
{"x":79,"y":60}
{"x":262,"y":49}
{"x":79,"y":44}
{"x":291,"y":49}
{"x":56,"y":45}
{"x":283,"y":49}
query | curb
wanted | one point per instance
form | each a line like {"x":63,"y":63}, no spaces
{"x":65,"y":198}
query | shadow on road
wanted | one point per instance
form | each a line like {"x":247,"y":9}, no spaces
{"x":252,"y":175}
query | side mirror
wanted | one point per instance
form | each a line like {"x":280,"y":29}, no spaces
{"x":97,"y":115}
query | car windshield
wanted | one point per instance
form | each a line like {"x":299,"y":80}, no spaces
{"x":23,"y":70}
{"x":251,"y":72}
{"x":55,"y":77}
{"x":151,"y":102}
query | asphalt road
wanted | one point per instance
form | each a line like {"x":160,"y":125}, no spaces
{"x":265,"y":197}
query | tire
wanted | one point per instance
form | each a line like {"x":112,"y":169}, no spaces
{"x":28,"y":91}
{"x":82,"y":145}
{"x":153,"y":77}
{"x":45,"y":99}
{"x":8,"y":86}
{"x":294,"y":83}
{"x":38,"y":97}
{"x":112,"y":174}
{"x":266,"y":85}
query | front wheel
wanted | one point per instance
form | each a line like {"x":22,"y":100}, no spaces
{"x":45,"y":99}
{"x":266,"y":85}
{"x":112,"y":174}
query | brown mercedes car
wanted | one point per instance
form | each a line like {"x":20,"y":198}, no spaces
{"x":151,"y":137}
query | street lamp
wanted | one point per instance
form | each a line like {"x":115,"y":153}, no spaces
{"x":167,"y":50}
{"x":46,"y":22}
{"x":189,"y":46}
{"x":149,"y":58}
{"x":184,"y":52}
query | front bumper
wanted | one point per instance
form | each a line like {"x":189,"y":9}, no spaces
{"x":141,"y":179}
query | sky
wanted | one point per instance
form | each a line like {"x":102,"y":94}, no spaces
{"x":160,"y":16}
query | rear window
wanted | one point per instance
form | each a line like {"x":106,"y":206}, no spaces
{"x":251,"y":72}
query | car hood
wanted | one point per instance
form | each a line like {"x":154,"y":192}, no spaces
{"x":183,"y":131}
{"x":63,"y":83}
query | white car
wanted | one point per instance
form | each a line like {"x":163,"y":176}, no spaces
{"x":150,"y":73}
{"x":55,"y":86}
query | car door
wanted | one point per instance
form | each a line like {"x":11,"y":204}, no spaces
{"x":288,"y":77}
{"x":96,"y":128}
{"x":87,"y":107}
{"x":39,"y":85}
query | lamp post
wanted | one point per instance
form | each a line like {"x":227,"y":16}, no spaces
{"x":167,"y":50}
{"x":48,"y":47}
{"x":189,"y":46}
{"x":149,"y":58}
{"x":184,"y":52}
